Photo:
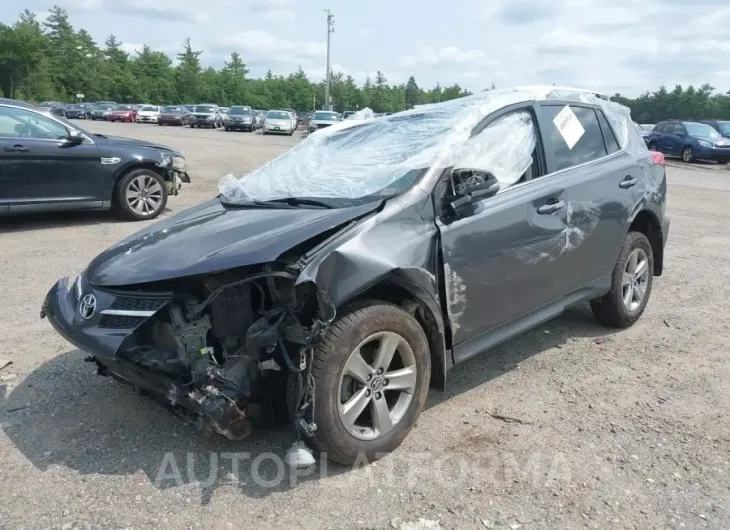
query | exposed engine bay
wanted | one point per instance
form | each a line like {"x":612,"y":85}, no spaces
{"x":232,"y":340}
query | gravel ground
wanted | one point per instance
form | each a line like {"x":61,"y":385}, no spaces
{"x":614,"y":430}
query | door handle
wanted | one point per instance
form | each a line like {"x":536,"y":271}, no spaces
{"x":16,"y":149}
{"x":627,"y":182}
{"x":550,"y":207}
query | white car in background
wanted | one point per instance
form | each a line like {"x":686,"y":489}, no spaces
{"x":148,"y":114}
{"x":279,"y":122}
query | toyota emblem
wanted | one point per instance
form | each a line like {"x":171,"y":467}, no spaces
{"x":87,"y":306}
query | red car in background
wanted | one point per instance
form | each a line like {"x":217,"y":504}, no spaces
{"x":123,"y":113}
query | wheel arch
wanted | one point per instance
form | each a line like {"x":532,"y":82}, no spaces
{"x":124,"y":171}
{"x":416,"y":301}
{"x":648,"y":224}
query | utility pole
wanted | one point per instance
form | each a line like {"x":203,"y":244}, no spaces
{"x":330,"y":31}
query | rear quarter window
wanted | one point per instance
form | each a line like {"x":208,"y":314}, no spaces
{"x":608,"y":136}
{"x":590,"y":146}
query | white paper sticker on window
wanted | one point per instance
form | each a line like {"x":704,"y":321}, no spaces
{"x":569,"y":127}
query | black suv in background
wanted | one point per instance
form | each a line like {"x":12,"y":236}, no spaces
{"x":48,"y":163}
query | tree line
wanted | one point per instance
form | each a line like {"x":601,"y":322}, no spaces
{"x":50,"y":60}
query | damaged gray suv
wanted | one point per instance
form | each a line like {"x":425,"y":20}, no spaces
{"x":342,"y":280}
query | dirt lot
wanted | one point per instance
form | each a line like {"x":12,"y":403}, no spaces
{"x":615,"y":430}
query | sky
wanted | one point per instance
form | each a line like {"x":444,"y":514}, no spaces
{"x":626,"y":46}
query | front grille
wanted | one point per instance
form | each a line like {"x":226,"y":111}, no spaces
{"x":124,"y":303}
{"x":120,"y":322}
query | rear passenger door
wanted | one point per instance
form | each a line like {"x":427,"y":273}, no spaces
{"x":600,"y":181}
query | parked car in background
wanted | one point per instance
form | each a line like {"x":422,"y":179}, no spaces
{"x":689,"y":140}
{"x":645,"y":130}
{"x":224,"y":110}
{"x":347,"y":114}
{"x":174,"y":115}
{"x":207,"y":115}
{"x":148,"y":114}
{"x":78,"y":111}
{"x":721,"y":126}
{"x":380,"y":266}
{"x":258,"y":118}
{"x":48,"y":163}
{"x":240,"y":118}
{"x":123,"y":113}
{"x":101,"y":110}
{"x":321,"y":119}
{"x":278,"y":122}
{"x":294,"y":116}
{"x":55,"y":107}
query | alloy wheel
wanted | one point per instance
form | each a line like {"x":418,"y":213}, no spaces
{"x":377,"y":385}
{"x":144,"y":195}
{"x":635,"y":280}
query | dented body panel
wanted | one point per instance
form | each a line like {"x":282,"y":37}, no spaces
{"x":247,"y":292}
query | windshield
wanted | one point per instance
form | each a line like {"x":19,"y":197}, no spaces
{"x":148,"y":109}
{"x":366,"y":159}
{"x":326,"y":116}
{"x":724,"y":127}
{"x":172,"y":110}
{"x":125,"y":107}
{"x":701,"y":129}
{"x":239,"y":110}
{"x":205,"y":108}
{"x":278,"y":115}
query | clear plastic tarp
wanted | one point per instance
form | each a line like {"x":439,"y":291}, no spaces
{"x":361,"y":157}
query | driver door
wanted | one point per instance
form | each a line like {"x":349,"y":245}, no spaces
{"x":503,"y":256}
{"x":37,"y":172}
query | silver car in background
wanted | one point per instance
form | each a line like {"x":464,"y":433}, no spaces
{"x":278,"y":122}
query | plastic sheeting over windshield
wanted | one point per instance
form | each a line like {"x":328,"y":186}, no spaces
{"x":360,"y":157}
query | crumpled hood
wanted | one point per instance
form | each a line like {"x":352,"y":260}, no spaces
{"x":212,"y":237}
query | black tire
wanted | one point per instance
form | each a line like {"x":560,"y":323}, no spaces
{"x":124,"y":208}
{"x":651,"y":146}
{"x":688,"y":154}
{"x":228,"y":128}
{"x":192,"y":126}
{"x":610,"y":309}
{"x":330,"y":357}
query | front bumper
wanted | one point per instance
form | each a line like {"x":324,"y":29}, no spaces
{"x":111,"y":326}
{"x":204,"y":122}
{"x":108,"y":345}
{"x":713,"y":153}
{"x":147,"y":119}
{"x":235,"y":124}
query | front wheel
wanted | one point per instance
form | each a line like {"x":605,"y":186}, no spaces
{"x":631,"y":284}
{"x":372,"y":372}
{"x":141,"y":194}
{"x":688,"y":155}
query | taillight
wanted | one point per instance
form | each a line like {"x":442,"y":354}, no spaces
{"x":658,"y":158}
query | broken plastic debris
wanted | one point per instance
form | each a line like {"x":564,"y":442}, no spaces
{"x":4,"y":362}
{"x":299,"y":455}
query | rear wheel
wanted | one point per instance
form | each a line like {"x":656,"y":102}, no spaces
{"x":631,"y":284}
{"x":688,"y":154}
{"x":141,"y":194}
{"x":371,"y":372}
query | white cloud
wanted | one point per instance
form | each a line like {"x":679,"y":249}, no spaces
{"x":263,"y":45}
{"x":449,"y":55}
{"x":131,"y":47}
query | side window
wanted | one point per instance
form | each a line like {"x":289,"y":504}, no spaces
{"x":611,"y":142}
{"x":679,"y":129}
{"x":570,"y":147}
{"x":21,"y":123}
{"x":506,"y":148}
